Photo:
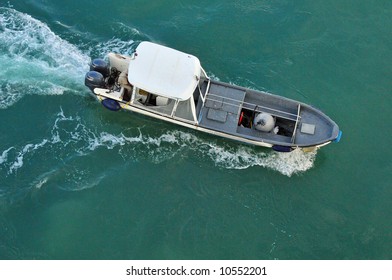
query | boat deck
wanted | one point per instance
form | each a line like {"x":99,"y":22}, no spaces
{"x":224,"y":102}
{"x":221,"y":108}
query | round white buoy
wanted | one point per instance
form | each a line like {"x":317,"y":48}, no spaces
{"x":264,"y":122}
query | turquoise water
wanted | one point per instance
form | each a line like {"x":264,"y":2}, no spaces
{"x":80,"y":182}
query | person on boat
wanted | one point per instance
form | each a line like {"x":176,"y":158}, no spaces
{"x":123,"y":82}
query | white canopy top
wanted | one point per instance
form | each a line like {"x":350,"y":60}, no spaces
{"x":164,"y":71}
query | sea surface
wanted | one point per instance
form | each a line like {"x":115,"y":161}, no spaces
{"x":80,"y":182}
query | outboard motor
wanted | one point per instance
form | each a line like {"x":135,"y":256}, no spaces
{"x":100,"y":65}
{"x":94,"y":79}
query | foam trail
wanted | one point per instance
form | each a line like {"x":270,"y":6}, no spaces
{"x":39,"y":184}
{"x":117,"y":45}
{"x":71,"y":141}
{"x":173,"y":143}
{"x":113,"y":45}
{"x":18,"y":163}
{"x":170,"y":144}
{"x":244,"y":157}
{"x":4,"y":155}
{"x":35,"y":60}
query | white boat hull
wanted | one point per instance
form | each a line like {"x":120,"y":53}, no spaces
{"x":232,"y":112}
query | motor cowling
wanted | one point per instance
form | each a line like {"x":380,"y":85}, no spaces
{"x":94,"y":79}
{"x":100,"y":66}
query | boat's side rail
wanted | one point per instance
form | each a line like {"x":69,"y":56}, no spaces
{"x":203,"y":96}
{"x":296,"y":124}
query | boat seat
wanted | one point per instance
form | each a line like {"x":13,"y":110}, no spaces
{"x":161,"y":101}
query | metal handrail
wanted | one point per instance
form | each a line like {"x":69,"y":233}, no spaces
{"x":296,"y":124}
{"x":203,"y":99}
{"x":241,"y":103}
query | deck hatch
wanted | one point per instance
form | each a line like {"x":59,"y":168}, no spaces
{"x":308,"y":128}
{"x":217,"y":115}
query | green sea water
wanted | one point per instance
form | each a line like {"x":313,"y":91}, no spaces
{"x":80,"y":182}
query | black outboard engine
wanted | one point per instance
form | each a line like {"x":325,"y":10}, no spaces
{"x":100,"y":66}
{"x":94,"y":79}
{"x":99,"y":71}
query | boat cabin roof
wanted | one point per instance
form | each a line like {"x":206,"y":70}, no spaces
{"x":164,"y":71}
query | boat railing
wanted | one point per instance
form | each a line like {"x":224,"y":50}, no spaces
{"x":203,"y":97}
{"x":206,"y":78}
{"x":296,"y":124}
{"x":251,"y":106}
